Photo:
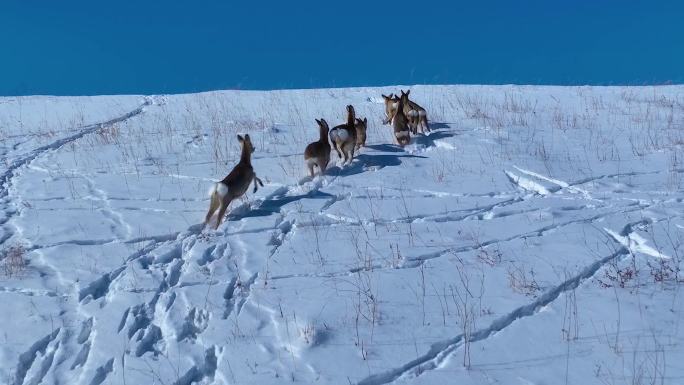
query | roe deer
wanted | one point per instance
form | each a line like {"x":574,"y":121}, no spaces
{"x":416,"y":114}
{"x":390,"y":107}
{"x":343,"y":137}
{"x":318,"y":153}
{"x":235,"y":184}
{"x":361,"y":126}
{"x":400,"y":125}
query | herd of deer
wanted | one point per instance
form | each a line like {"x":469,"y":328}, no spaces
{"x":406,"y":117}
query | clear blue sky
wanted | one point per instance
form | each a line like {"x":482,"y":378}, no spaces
{"x":112,"y":47}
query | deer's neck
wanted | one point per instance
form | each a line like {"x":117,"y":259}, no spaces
{"x":350,"y":118}
{"x":246,"y":156}
{"x":323,"y":134}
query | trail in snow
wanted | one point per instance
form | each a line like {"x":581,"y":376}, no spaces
{"x":346,"y":277}
{"x":35,"y":363}
{"x":27,"y":158}
{"x":440,"y":350}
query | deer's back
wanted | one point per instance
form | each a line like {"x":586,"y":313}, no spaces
{"x":399,"y":122}
{"x":317,"y":149}
{"x":415,"y":106}
{"x":238,"y":179}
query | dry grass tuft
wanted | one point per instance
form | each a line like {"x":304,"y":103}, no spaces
{"x":13,"y":261}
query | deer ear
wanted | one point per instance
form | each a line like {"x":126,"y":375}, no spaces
{"x":385,"y":96}
{"x":408,"y":92}
{"x":247,"y":138}
{"x":365,"y":120}
{"x":240,"y":138}
{"x":318,"y":121}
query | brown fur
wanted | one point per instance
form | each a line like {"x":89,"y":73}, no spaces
{"x":390,"y":102}
{"x":417,"y":118}
{"x":237,"y":182}
{"x":361,"y":127}
{"x":400,"y":125}
{"x":345,"y":147}
{"x":318,"y":153}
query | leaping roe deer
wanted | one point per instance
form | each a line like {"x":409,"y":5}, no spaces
{"x":343,"y":137}
{"x":235,"y":184}
{"x":318,"y":153}
{"x":400,"y":125}
{"x":416,"y":114}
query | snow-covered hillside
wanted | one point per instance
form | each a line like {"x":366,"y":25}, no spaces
{"x":533,"y":237}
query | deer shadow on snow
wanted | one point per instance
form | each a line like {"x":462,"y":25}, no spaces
{"x":429,"y":139}
{"x":439,"y":125}
{"x":366,"y":162}
{"x":389,"y":156}
{"x":385,"y":147}
{"x":272,"y":205}
{"x":420,"y":140}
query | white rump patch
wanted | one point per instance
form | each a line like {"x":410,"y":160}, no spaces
{"x":221,"y":189}
{"x":401,"y":134}
{"x":413,"y":113}
{"x":311,"y":162}
{"x":395,"y":105}
{"x":422,"y":113}
{"x":342,"y":135}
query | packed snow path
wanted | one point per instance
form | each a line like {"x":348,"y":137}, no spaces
{"x":533,"y":235}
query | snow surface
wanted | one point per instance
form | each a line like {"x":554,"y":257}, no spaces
{"x":532,"y":237}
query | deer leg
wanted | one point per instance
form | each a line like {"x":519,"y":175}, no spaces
{"x":322,"y":164}
{"x":414,"y":119}
{"x":222,"y":211}
{"x":336,"y":149}
{"x":345,"y":155}
{"x":215,"y":202}
{"x":257,"y":180}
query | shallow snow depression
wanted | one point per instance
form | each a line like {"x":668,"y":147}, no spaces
{"x":533,"y":236}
